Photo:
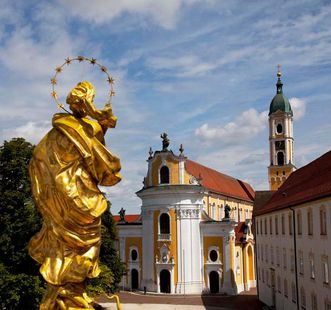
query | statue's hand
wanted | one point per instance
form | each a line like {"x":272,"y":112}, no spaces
{"x":107,"y":118}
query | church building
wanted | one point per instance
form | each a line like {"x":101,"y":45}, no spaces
{"x":193,"y":234}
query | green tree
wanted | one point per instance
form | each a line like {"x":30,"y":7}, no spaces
{"x":21,"y":287}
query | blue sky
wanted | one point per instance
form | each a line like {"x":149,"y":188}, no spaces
{"x":202,"y":71}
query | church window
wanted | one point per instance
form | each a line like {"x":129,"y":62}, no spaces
{"x":294,"y":294}
{"x":312,"y":266}
{"x":313,"y":301}
{"x":213,"y":256}
{"x":300,"y":262}
{"x":283,"y":224}
{"x":134,"y":255}
{"x":164,"y":175}
{"x":279,"y":128}
{"x":303,"y":298}
{"x":280,"y":158}
{"x":299,"y":220}
{"x":213,"y":211}
{"x":325,"y":269}
{"x":290,"y":223}
{"x":279,"y":284}
{"x":310,"y":221}
{"x":164,"y":224}
{"x":285,"y":288}
{"x":323,"y":221}
{"x":292,"y":261}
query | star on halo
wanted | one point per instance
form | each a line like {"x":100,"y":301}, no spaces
{"x":110,"y":80}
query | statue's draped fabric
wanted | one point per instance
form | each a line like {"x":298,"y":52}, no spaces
{"x":67,"y":165}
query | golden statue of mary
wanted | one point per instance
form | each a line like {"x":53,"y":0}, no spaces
{"x":66,"y":168}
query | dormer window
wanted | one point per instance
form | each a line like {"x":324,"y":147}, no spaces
{"x":164,"y":175}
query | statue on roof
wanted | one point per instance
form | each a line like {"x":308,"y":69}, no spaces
{"x":227,"y":210}
{"x":165,"y":142}
{"x":122,"y":215}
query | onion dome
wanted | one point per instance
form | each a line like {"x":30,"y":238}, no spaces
{"x":280,"y":102}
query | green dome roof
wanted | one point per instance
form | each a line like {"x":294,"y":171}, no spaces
{"x":280,"y":102}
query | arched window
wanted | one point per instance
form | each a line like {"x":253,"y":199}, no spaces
{"x":164,"y":224}
{"x":164,"y":175}
{"x":213,"y":256}
{"x":279,"y":128}
{"x":280,"y":158}
{"x":134,"y":255}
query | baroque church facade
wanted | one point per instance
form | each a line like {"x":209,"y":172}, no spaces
{"x":193,"y":234}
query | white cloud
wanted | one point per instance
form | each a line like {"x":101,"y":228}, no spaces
{"x":164,"y":13}
{"x":299,"y":107}
{"x":186,"y":66}
{"x":244,"y":127}
{"x":31,"y":131}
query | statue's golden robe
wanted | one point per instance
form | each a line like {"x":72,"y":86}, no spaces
{"x":66,"y":167}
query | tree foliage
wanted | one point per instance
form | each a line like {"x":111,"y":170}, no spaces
{"x":21,"y":287}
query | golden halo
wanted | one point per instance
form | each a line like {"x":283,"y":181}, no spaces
{"x":93,"y":62}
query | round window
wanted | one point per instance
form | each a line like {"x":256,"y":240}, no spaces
{"x":134,"y":255}
{"x":213,"y":255}
{"x":279,"y":128}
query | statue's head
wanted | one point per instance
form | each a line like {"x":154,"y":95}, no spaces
{"x":77,"y":98}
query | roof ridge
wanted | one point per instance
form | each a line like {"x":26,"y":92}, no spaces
{"x":226,"y":175}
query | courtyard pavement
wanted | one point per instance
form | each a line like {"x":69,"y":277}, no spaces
{"x":137,"y":300}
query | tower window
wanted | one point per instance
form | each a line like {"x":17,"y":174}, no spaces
{"x":164,"y":175}
{"x":164,"y":223}
{"x":280,"y":158}
{"x":279,"y":128}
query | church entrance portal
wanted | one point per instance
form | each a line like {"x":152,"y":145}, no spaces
{"x":134,"y":279}
{"x":165,"y":281}
{"x":214,"y":285}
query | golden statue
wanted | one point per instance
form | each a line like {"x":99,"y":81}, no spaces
{"x":66,"y":168}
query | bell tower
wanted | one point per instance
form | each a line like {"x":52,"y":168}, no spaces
{"x":280,"y":137}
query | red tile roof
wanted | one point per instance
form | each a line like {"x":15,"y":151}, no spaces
{"x":128,"y":218}
{"x":308,"y":183}
{"x":261,"y":198}
{"x":219,"y":182}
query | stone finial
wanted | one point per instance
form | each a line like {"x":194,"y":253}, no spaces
{"x":181,"y":150}
{"x":150,"y":152}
